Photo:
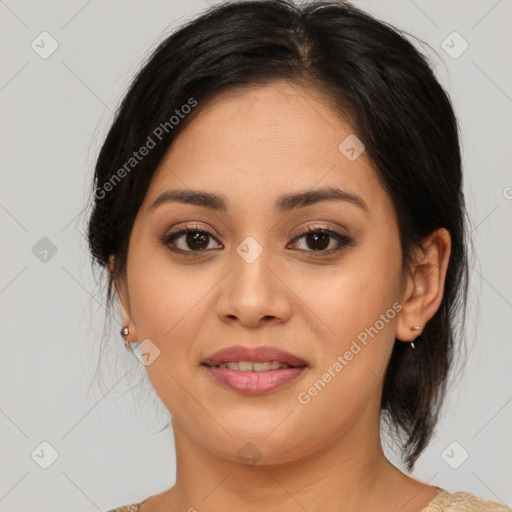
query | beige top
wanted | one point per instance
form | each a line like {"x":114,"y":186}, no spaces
{"x":443,"y":502}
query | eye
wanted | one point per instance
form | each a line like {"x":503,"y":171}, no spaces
{"x":192,"y":239}
{"x":322,"y":240}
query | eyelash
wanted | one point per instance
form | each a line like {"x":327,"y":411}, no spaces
{"x":342,"y":239}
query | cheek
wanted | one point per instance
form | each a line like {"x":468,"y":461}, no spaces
{"x":350,"y":297}
{"x":167,"y":309}
{"x":352,"y":360}
{"x":162,"y":293}
{"x":359,"y":303}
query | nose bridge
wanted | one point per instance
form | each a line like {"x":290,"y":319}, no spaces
{"x":253,"y":291}
{"x":251,"y":267}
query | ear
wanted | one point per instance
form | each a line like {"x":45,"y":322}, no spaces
{"x":123,"y":301}
{"x":425,"y":284}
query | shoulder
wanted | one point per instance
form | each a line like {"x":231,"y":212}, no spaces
{"x":128,"y":508}
{"x":443,"y":502}
{"x":463,"y":502}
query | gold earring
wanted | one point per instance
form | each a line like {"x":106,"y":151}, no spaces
{"x":124,"y":332}
{"x":414,"y":328}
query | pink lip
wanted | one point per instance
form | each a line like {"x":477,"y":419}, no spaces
{"x":251,"y":382}
{"x":255,"y":383}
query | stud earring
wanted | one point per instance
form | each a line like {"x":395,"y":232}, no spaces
{"x":124,"y":332}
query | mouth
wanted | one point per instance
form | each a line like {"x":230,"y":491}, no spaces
{"x":254,"y":366}
{"x":254,"y":370}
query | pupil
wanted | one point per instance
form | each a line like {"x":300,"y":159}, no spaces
{"x":316,"y":237}
{"x":198,"y":239}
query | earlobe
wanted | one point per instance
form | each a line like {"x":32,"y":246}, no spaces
{"x":128,"y":330}
{"x":425,"y":285}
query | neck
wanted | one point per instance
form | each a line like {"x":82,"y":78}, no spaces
{"x":351,"y":473}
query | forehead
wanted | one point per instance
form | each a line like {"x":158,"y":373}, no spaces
{"x":258,"y":142}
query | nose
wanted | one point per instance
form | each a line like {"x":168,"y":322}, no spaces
{"x":254,"y":293}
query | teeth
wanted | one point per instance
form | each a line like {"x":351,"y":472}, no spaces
{"x":245,"y":366}
{"x":261,"y":367}
{"x":248,"y":366}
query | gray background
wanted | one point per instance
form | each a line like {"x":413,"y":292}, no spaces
{"x":111,"y":442}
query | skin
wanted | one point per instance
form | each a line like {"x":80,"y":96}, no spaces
{"x":252,"y":145}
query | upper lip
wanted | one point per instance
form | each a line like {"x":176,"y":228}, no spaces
{"x":255,"y":354}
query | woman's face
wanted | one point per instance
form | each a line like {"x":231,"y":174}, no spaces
{"x":255,"y":280}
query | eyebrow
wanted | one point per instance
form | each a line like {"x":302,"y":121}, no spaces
{"x":284,"y":203}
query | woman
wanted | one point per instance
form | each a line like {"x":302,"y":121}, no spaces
{"x":279,"y":207}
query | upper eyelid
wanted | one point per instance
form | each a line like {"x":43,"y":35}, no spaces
{"x":302,"y":231}
{"x":327,"y":228}
{"x":191,"y":227}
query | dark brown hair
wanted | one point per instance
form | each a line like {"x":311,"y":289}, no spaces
{"x":380,"y":82}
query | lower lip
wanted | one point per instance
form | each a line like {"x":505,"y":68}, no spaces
{"x":255,"y":383}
